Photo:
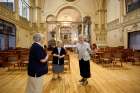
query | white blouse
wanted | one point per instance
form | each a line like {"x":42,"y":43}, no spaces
{"x":83,"y":50}
{"x":59,"y":49}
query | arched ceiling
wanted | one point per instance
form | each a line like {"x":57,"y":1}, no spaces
{"x":86,"y":8}
{"x":68,"y":14}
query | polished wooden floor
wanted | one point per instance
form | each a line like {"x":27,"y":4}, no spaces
{"x":124,"y":79}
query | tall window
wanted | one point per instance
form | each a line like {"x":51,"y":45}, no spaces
{"x":134,"y":40}
{"x":132,"y":5}
{"x":8,"y":3}
{"x":24,"y":8}
{"x":7,"y":35}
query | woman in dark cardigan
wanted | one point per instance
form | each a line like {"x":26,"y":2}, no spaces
{"x":58,"y":60}
{"x":37,"y":66}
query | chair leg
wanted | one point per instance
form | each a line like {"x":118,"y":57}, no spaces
{"x":69,"y":66}
{"x":133,"y":62}
{"x":121,"y":63}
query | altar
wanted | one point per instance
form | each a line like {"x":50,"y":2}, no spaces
{"x":70,"y":47}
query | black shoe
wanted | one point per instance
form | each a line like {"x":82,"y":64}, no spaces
{"x":59,"y":77}
{"x":81,"y":80}
{"x":84,"y":83}
{"x":53,"y":78}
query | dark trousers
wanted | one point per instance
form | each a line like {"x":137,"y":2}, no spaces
{"x":84,"y":68}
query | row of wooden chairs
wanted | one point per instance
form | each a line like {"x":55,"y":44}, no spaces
{"x":19,"y":58}
{"x":16,"y":58}
{"x":118,"y":55}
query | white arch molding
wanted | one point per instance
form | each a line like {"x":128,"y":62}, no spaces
{"x":55,"y":13}
{"x":72,"y":6}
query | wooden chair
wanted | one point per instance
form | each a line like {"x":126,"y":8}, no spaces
{"x":1,"y":61}
{"x":67,"y":61}
{"x":13,"y":60}
{"x":50,"y":59}
{"x":24,"y":59}
{"x":106,"y":58}
{"x":98,"y":57}
{"x":117,"y":57}
{"x":3,"y":58}
{"x":136,"y":57}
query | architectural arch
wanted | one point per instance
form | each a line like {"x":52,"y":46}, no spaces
{"x":70,"y":13}
{"x":51,"y":18}
{"x":65,"y":6}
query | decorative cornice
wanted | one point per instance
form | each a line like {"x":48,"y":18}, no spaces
{"x":129,"y":19}
{"x":113,"y":25}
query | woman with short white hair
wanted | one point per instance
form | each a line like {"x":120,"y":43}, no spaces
{"x":37,"y":66}
{"x":84,"y":50}
{"x":58,"y":60}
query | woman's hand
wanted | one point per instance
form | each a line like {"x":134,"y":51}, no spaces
{"x":61,"y":56}
{"x":55,"y":55}
{"x":44,"y":60}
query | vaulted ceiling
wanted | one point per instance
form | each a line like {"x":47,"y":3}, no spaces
{"x":84,"y":7}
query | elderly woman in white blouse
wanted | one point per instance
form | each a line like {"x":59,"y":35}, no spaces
{"x":83,"y":49}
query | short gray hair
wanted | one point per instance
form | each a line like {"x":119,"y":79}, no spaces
{"x":59,"y":41}
{"x":82,"y":36}
{"x":38,"y":37}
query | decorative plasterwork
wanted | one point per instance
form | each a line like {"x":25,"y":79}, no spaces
{"x":113,"y":25}
{"x":129,"y":19}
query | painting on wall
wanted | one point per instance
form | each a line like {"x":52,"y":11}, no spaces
{"x":132,"y":5}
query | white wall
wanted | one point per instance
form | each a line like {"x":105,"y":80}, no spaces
{"x":113,"y":10}
{"x":23,"y":38}
{"x":115,"y":38}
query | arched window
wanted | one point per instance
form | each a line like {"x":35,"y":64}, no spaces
{"x":9,"y":4}
{"x":24,"y":8}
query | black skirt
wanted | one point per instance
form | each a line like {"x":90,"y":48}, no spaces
{"x":84,"y":68}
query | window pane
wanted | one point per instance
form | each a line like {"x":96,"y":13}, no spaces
{"x":12,"y":42}
{"x":1,"y":27}
{"x":7,"y":36}
{"x":2,"y":44}
{"x":24,"y":8}
{"x":8,"y":3}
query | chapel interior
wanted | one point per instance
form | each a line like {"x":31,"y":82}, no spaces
{"x":112,"y":25}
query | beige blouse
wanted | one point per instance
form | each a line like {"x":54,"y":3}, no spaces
{"x":83,"y":50}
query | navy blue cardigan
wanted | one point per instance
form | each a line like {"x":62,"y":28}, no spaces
{"x":55,"y":59}
{"x":35,"y":67}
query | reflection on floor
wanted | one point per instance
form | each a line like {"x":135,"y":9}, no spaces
{"x":103,"y":80}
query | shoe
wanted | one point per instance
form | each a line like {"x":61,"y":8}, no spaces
{"x":84,"y":83}
{"x":59,"y":77}
{"x":81,"y":80}
{"x":53,"y":78}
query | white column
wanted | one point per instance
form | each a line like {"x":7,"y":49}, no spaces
{"x":17,"y":9}
{"x":121,"y":10}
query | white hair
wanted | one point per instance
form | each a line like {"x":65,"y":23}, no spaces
{"x":82,"y":36}
{"x":59,"y":41}
{"x":38,"y":37}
